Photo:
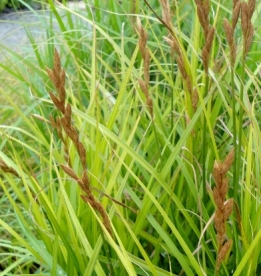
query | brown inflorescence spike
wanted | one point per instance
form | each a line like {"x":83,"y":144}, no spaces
{"x":229,"y":32}
{"x":166,"y":15}
{"x":244,"y":18}
{"x":82,"y":154}
{"x":68,"y":114}
{"x":144,"y":83}
{"x":57,"y":61}
{"x":195,"y":98}
{"x":230,"y":29}
{"x":207,"y":47}
{"x":50,"y":74}
{"x":223,"y":253}
{"x":203,"y":14}
{"x":57,"y":102}
{"x":251,"y":8}
{"x":235,"y":14}
{"x":203,"y":9}
{"x":249,"y":38}
{"x":228,"y":161}
{"x":64,"y":123}
{"x":228,"y":208}
{"x":70,"y":172}
{"x":61,"y":88}
{"x":223,"y":208}
{"x":247,"y":11}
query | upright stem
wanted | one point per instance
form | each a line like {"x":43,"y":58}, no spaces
{"x":235,"y":163}
{"x":204,"y":148}
{"x":172,"y":103}
{"x":240,"y":126}
{"x":234,"y":132}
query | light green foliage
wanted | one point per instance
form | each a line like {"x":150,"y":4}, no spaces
{"x":153,"y":166}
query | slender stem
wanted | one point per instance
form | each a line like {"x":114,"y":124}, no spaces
{"x":234,"y":132}
{"x":237,"y":164}
{"x":204,"y":158}
{"x":240,"y":126}
{"x":172,"y":138}
{"x":204,"y":147}
{"x":172,"y":103}
{"x":235,"y":171}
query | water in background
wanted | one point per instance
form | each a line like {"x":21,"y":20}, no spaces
{"x":15,"y":26}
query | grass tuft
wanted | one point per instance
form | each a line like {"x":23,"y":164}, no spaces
{"x":112,"y":129}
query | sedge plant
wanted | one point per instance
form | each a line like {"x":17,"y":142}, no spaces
{"x":118,"y":160}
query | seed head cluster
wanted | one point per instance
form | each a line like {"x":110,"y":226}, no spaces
{"x":64,"y":124}
{"x":224,"y":207}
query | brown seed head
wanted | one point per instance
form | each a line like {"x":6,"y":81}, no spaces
{"x":150,"y":106}
{"x":68,"y":114}
{"x":143,"y":87}
{"x":229,"y":32}
{"x":210,"y":38}
{"x":249,"y":39}
{"x":195,"y":99}
{"x":245,"y":21}
{"x":57,"y":102}
{"x":228,"y":161}
{"x":217,"y":175}
{"x":70,"y":172}
{"x":231,"y":41}
{"x":82,"y":153}
{"x":50,"y":74}
{"x":166,"y":12}
{"x":57,"y":76}
{"x":219,"y":200}
{"x":228,"y":208}
{"x":57,"y":61}
{"x":189,"y":84}
{"x":251,"y":7}
{"x":61,"y":89}
{"x":143,"y":37}
{"x":203,"y":8}
{"x":224,"y":208}
{"x":207,"y":48}
{"x":206,"y":6}
{"x":235,"y":15}
{"x":222,"y":253}
{"x":235,"y":3}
